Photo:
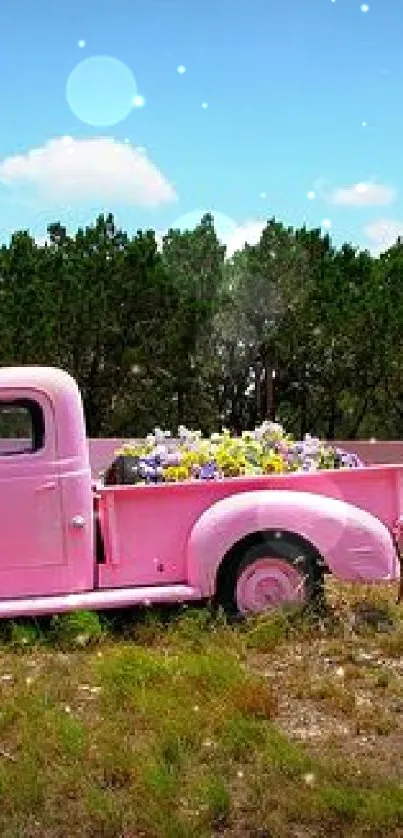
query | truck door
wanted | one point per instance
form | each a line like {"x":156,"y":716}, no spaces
{"x":32,"y":554}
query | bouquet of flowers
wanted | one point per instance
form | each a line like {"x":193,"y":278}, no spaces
{"x":266,"y":450}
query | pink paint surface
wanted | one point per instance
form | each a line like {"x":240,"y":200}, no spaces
{"x":268,"y":583}
{"x":180,"y":532}
{"x":40,"y":493}
{"x":166,"y":542}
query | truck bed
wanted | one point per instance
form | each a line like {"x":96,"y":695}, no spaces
{"x":146,"y":527}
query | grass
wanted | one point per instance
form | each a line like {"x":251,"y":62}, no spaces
{"x":180,"y":725}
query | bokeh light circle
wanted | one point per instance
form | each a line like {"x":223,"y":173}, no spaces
{"x":101,"y":90}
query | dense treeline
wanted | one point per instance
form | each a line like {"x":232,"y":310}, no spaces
{"x":178,"y":334}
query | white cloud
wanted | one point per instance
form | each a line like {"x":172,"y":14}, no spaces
{"x":383,"y":233}
{"x":364,"y":194}
{"x":98,"y":169}
{"x":41,"y":240}
{"x":233,"y":235}
{"x":247,"y":233}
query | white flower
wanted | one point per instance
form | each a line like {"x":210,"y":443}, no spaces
{"x":160,"y":450}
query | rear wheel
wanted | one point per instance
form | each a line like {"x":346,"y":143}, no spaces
{"x":276,"y":572}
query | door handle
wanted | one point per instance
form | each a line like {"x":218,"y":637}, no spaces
{"x":46,"y":487}
{"x":78,"y":521}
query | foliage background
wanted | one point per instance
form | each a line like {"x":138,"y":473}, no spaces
{"x":177,"y":333}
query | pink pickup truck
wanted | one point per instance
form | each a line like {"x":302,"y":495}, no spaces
{"x":250,"y":543}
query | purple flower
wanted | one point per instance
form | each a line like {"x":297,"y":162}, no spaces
{"x":345,"y":459}
{"x":152,"y":460}
{"x":208,"y":471}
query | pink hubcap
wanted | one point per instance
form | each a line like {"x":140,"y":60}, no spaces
{"x":268,"y":583}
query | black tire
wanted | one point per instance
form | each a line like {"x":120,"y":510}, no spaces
{"x":284,"y":546}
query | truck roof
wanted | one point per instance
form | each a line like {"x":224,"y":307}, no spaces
{"x":49,"y":380}
{"x":62,"y":391}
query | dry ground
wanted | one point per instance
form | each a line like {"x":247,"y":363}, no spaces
{"x":182,"y":726}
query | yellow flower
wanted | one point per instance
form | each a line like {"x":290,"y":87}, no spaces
{"x":189,"y":459}
{"x":128,"y":450}
{"x":170,"y":473}
{"x":183,"y":473}
{"x":273,"y":464}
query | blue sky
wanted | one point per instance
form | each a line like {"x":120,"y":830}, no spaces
{"x":280,"y":100}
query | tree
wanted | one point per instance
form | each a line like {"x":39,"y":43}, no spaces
{"x":193,"y":261}
{"x":184,"y":336}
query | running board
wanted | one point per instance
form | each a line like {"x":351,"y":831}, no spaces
{"x":97,"y":600}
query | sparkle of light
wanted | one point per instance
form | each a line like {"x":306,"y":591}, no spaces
{"x":138,"y":101}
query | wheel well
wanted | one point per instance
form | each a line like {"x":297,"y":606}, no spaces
{"x":234,"y":555}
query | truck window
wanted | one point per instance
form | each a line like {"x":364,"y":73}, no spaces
{"x":22,"y":427}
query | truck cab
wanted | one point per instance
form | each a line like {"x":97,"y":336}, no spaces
{"x":251,"y":542}
{"x":46,"y":514}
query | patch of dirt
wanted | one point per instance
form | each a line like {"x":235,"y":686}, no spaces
{"x":342,"y":695}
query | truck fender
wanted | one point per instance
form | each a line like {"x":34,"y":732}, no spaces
{"x":355,"y":545}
